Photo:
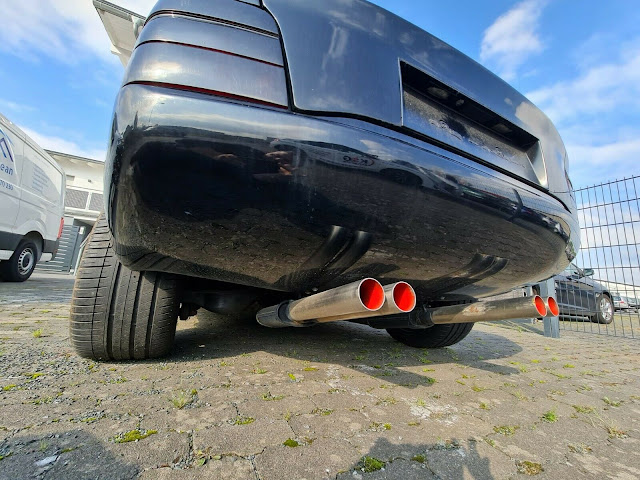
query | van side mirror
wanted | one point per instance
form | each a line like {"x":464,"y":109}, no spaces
{"x":588,"y":272}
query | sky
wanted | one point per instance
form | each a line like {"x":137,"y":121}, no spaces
{"x":579,"y":61}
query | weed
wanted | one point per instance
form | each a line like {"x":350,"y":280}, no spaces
{"x":37,"y":333}
{"x":519,"y":395}
{"x":370,"y":464}
{"x":421,"y":403}
{"x":429,"y":380}
{"x":7,"y":388}
{"x":290,"y":443}
{"x":133,"y":435}
{"x":419,"y":458}
{"x":568,"y":365}
{"x":43,"y":445}
{"x":579,"y":448}
{"x":322,"y":411}
{"x":506,"y":430}
{"x":550,"y":416}
{"x":240,"y":420}
{"x":387,"y":401}
{"x":292,"y":377}
{"x":584,"y":409}
{"x":484,"y":406}
{"x":413,"y":424}
{"x":535,"y":361}
{"x":259,"y":371}
{"x":310,"y":369}
{"x":612,"y":403}
{"x":182,"y":398}
{"x":270,"y":398}
{"x":529,"y":468}
{"x":476,"y":388}
{"x":428,"y":369}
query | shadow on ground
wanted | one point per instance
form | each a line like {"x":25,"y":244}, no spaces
{"x":450,"y":459}
{"x":70,"y":454}
{"x":354,"y":346}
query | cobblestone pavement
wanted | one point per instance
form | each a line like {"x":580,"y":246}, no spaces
{"x":238,"y":401}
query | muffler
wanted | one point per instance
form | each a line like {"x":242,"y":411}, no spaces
{"x":357,"y":299}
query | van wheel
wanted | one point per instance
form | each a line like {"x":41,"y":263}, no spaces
{"x":437,"y":336}
{"x":21,"y":264}
{"x":117,"y":313}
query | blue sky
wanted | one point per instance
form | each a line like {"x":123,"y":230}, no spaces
{"x":579,"y":61}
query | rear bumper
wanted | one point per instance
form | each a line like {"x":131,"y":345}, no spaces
{"x":289,"y":202}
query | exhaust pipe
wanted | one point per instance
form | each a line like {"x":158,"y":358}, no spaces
{"x":553,"y":310}
{"x":509,"y":309}
{"x":491,"y":310}
{"x":399,"y":297}
{"x":358,"y":298}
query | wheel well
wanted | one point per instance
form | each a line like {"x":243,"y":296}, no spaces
{"x":38,"y":240}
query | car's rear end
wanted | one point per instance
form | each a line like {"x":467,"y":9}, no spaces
{"x":295,"y":146}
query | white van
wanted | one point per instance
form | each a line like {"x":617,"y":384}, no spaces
{"x":32,"y":189}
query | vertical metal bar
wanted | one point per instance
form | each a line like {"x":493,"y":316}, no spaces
{"x":551,"y":324}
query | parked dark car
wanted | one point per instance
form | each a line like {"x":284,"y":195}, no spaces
{"x":264,"y":150}
{"x":581,"y":296}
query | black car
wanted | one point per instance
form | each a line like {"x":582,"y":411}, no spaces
{"x":264,"y":150}
{"x":581,"y":296}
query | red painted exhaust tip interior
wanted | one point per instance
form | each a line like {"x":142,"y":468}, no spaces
{"x":540,"y":306}
{"x":404,"y":296}
{"x":553,"y":306}
{"x":371,"y":294}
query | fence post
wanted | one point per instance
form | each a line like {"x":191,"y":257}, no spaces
{"x":551,"y":324}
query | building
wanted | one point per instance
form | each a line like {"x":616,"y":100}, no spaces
{"x":82,"y":205}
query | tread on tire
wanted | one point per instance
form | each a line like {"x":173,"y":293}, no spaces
{"x":117,"y":313}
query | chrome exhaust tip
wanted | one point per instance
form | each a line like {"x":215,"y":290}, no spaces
{"x":553,"y":310}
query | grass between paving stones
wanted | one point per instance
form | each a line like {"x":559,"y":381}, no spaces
{"x":133,"y":435}
{"x":506,"y":430}
{"x":529,"y":468}
{"x":182,"y":398}
{"x":370,"y":464}
{"x":240,"y":420}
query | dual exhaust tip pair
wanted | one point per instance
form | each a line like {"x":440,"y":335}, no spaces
{"x":362,"y":299}
{"x":368,"y":298}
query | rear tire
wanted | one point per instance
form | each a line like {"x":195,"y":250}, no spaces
{"x":21,"y":264}
{"x":437,"y":336}
{"x":117,"y":313}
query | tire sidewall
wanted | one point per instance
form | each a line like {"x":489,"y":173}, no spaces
{"x":11,"y":270}
{"x":599,"y":315}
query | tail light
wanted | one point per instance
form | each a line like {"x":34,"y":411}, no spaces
{"x":61,"y":227}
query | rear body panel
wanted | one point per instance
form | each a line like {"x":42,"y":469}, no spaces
{"x":232,"y":162}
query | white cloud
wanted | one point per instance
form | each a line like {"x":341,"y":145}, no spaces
{"x":591,"y":164}
{"x":64,"y":146}
{"x":512,"y":38}
{"x":66,"y":30}
{"x":15,"y":107}
{"x":598,"y":89}
{"x":597,"y":114}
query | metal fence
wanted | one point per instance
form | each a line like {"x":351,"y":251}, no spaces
{"x":609,"y":216}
